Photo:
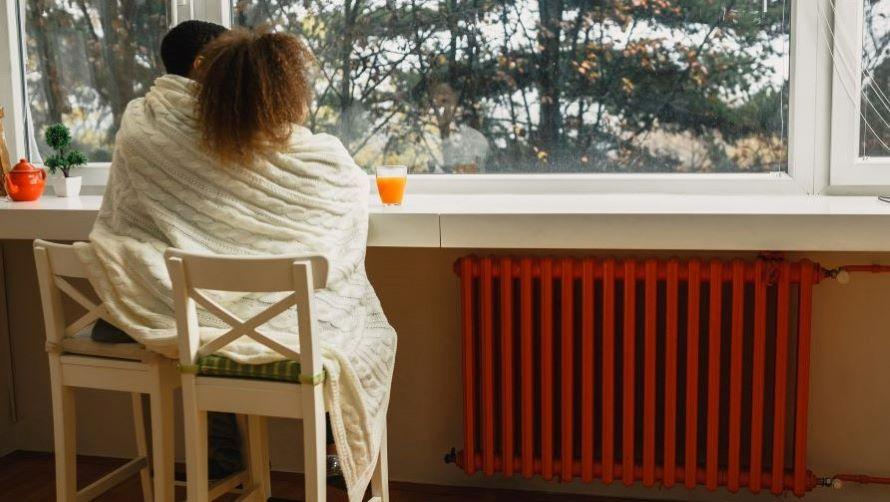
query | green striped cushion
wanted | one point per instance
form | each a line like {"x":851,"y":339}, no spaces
{"x":282,"y":371}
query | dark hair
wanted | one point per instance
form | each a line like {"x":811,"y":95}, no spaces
{"x":254,"y":87}
{"x":182,"y":44}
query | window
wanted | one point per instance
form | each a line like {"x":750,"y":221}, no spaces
{"x":753,"y":96}
{"x":85,"y":60}
{"x":860,"y":133}
{"x":535,"y":86}
{"x":874,"y":129}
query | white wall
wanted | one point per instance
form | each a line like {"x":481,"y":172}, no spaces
{"x":850,"y":395}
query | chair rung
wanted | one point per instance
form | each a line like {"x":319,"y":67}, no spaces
{"x":226,"y":484}
{"x":248,"y":492}
{"x":112,"y":479}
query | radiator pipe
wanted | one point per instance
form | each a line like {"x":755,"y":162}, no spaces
{"x":842,"y":273}
{"x":699,"y":473}
{"x":837,"y":481}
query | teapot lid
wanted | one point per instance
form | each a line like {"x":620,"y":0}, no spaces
{"x":24,"y":165}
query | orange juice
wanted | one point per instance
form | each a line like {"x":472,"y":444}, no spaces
{"x":391,"y":189}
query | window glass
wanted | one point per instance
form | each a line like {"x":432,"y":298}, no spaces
{"x":539,"y":86}
{"x":86,"y":59}
{"x":874,"y":130}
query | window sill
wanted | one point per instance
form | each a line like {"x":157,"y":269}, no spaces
{"x":95,"y":177}
{"x":600,"y":221}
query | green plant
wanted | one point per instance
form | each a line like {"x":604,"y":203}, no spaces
{"x":65,"y":158}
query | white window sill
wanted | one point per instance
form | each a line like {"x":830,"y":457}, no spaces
{"x":598,"y":221}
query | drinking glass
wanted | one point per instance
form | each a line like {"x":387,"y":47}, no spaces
{"x":391,"y":182}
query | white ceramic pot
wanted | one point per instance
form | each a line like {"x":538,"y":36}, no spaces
{"x":67,"y":187}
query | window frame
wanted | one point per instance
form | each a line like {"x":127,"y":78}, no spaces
{"x":848,"y":167}
{"x":12,"y":97}
{"x":810,"y":144}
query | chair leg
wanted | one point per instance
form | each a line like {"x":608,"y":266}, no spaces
{"x":162,"y":444}
{"x":64,"y":433}
{"x":258,"y":457}
{"x":142,"y":446}
{"x":380,"y":479}
{"x":315,"y":455}
{"x":195,"y":442}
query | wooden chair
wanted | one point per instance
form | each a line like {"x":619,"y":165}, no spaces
{"x":77,"y":361}
{"x":301,"y":399}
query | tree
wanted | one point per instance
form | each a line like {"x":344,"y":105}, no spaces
{"x":87,"y":59}
{"x":875,"y":107}
{"x":472,"y":85}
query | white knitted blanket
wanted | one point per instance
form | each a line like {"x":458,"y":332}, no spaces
{"x":165,"y":191}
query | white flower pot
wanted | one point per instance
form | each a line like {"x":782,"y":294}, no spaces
{"x":67,"y":187}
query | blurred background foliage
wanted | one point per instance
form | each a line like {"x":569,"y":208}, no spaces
{"x":527,"y":86}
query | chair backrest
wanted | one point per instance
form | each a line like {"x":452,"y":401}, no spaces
{"x":300,"y":275}
{"x":55,"y":263}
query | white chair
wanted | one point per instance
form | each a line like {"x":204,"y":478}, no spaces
{"x":299,"y":275}
{"x":77,"y":361}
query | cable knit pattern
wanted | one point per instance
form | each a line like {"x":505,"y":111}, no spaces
{"x":165,"y":191}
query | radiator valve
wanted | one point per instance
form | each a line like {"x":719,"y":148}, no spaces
{"x":835,"y":483}
{"x":838,"y":274}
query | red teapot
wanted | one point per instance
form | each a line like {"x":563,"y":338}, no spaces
{"x":25,"y":182}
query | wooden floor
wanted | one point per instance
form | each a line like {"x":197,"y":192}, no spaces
{"x":28,"y":476}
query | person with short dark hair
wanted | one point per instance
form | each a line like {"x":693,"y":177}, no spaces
{"x":180,"y":49}
{"x":182,"y":45}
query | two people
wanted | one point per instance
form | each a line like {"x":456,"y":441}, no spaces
{"x":215,"y":159}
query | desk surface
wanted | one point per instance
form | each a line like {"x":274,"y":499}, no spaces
{"x":597,"y":221}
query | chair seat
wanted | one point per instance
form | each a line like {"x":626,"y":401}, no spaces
{"x":82,"y":344}
{"x":219,"y":366}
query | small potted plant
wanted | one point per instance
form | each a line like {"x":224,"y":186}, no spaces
{"x":65,"y":158}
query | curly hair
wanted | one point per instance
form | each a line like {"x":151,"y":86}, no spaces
{"x":253,"y":88}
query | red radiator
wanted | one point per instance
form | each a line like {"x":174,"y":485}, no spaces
{"x":639,"y":371}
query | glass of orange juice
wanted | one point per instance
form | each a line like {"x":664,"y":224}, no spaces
{"x":391,"y":181}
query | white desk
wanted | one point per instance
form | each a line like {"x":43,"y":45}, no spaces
{"x":598,"y":221}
